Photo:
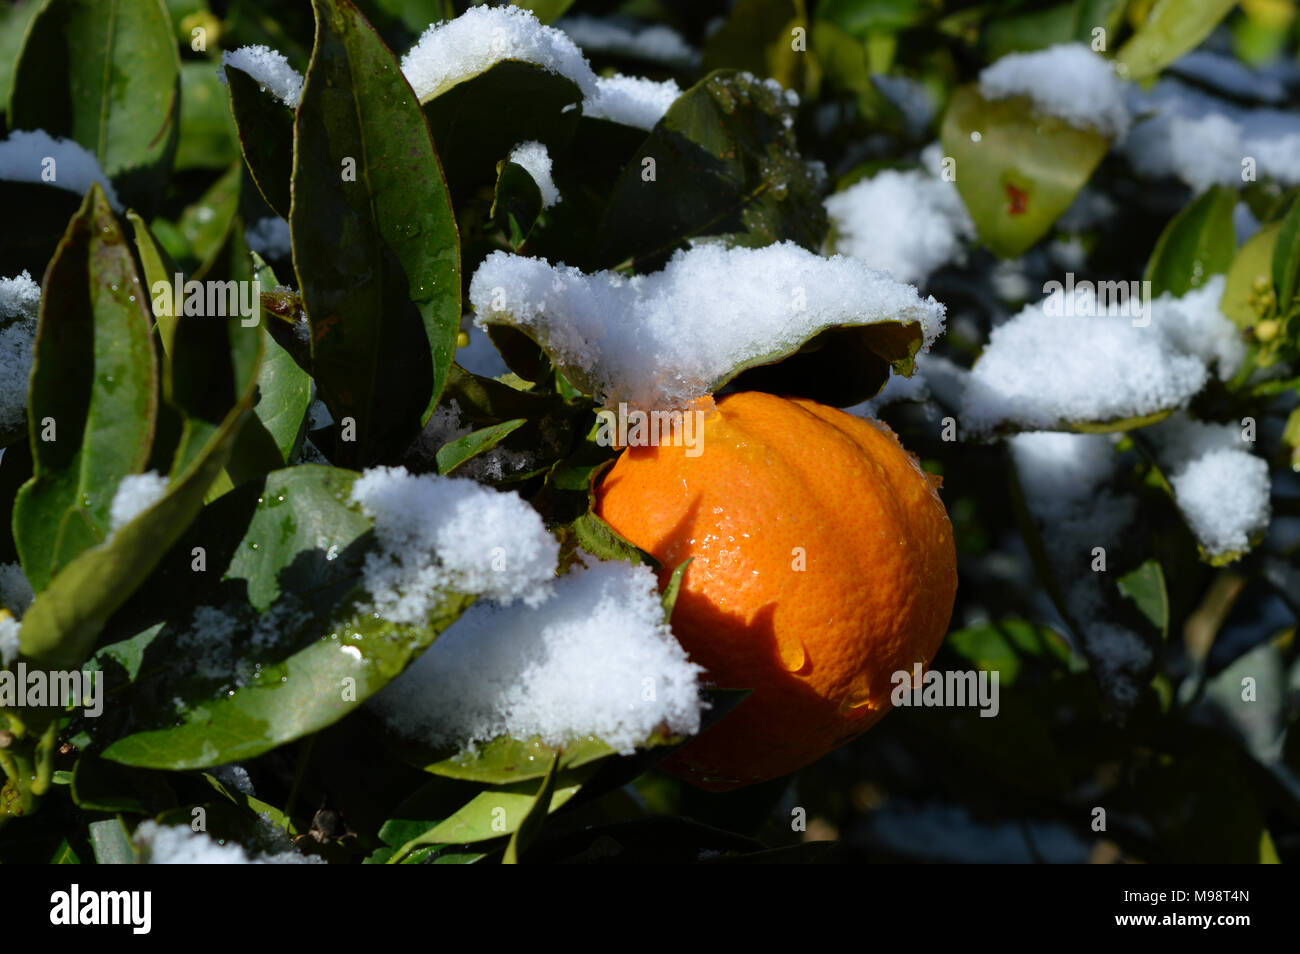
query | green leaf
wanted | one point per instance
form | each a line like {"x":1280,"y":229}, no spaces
{"x":94,"y":379}
{"x":602,"y":541}
{"x":264,"y":127}
{"x":1197,"y":243}
{"x":207,"y":133}
{"x":861,"y":17}
{"x":1286,"y":259}
{"x":725,"y":164}
{"x":14,"y":19}
{"x":213,"y":362}
{"x":1029,"y":30}
{"x":1250,"y":278}
{"x":111,"y":842}
{"x":1016,"y":171}
{"x":158,"y":267}
{"x":463,"y":449}
{"x":758,"y":37}
{"x":291,"y":545}
{"x":843,"y":63}
{"x":378,"y":258}
{"x":1145,"y":586}
{"x":532,"y":823}
{"x":467,"y":126}
{"x":505,"y":760}
{"x":82,"y":74}
{"x":495,"y":812}
{"x":669,"y":598}
{"x":516,"y":202}
{"x":1002,"y":646}
{"x":284,"y":389}
{"x":1172,"y":28}
{"x":64,"y":855}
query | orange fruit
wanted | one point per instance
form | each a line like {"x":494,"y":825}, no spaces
{"x":822,"y":563}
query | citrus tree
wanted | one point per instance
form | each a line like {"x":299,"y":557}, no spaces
{"x":439,"y":432}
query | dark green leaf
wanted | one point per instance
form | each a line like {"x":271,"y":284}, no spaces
{"x":94,"y":383}
{"x":1286,"y":259}
{"x":378,"y":258}
{"x":516,"y":202}
{"x":758,"y":36}
{"x":467,"y":125}
{"x":722,"y":162}
{"x":265,"y":130}
{"x":1145,"y":586}
{"x":291,"y":544}
{"x":83,"y":75}
{"x":1199,"y":242}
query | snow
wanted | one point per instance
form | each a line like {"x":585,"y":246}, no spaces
{"x":1042,"y":369}
{"x":595,"y":660}
{"x":1203,"y":140}
{"x":20,"y":298}
{"x":15,"y":592}
{"x":179,"y":845}
{"x":9,"y":628}
{"x":1068,"y":81}
{"x":1194,"y":325}
{"x":1066,"y":480}
{"x":907,"y":223}
{"x":24,"y":155}
{"x":453,"y":51}
{"x":663,"y":339}
{"x":234,"y":776}
{"x":446,"y":425}
{"x":450,"y":533}
{"x":631,"y":100}
{"x":933,"y":377}
{"x":269,"y":237}
{"x":1221,"y":488}
{"x":269,"y":68}
{"x":135,"y":494}
{"x":653,"y":43}
{"x":536,"y":161}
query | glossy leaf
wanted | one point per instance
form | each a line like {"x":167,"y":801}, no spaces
{"x":467,"y":126}
{"x":81,"y":75}
{"x":1017,"y":172}
{"x":95,"y":382}
{"x":724,"y":164}
{"x":284,"y":389}
{"x":1145,"y":586}
{"x":291,"y":544}
{"x":265,"y":130}
{"x":464,"y":449}
{"x":1198,"y":243}
{"x":1172,"y":28}
{"x":1286,"y":259}
{"x":533,"y":821}
{"x":378,"y":258}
